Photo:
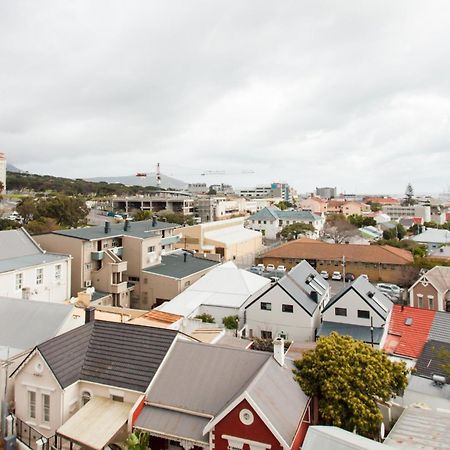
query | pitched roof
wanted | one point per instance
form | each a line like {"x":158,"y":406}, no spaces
{"x":116,"y":354}
{"x":439,"y":276}
{"x":174,"y":265}
{"x":141,"y":229}
{"x":272,"y":213}
{"x":360,"y":332}
{"x":433,"y":235}
{"x":224,"y":285}
{"x":431,"y":360}
{"x":440,"y":329}
{"x":37,"y":322}
{"x":408,"y":330}
{"x":17,"y":243}
{"x":369,"y":293}
{"x":23,"y":262}
{"x":304,"y":249}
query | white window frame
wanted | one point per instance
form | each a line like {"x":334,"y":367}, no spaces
{"x":58,"y":272}
{"x":39,"y":276}
{"x":31,"y":403}
{"x":45,"y":408}
{"x":19,"y":281}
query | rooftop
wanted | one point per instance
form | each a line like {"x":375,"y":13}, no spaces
{"x":305,"y":249}
{"x":439,"y":276}
{"x":432,"y":360}
{"x":141,"y":229}
{"x":180,"y":264}
{"x":272,"y":213}
{"x":433,"y":236}
{"x":408,"y":330}
{"x":359,"y":332}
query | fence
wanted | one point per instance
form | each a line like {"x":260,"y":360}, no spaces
{"x":28,"y":435}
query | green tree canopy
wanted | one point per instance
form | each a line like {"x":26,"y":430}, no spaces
{"x":207,"y":318}
{"x":292,"y":231}
{"x":348,"y":376}
{"x":284,"y":205}
{"x":175,"y":217}
{"x":231,"y":322}
{"x":7,"y":224}
{"x":359,"y":221}
{"x":140,"y":215}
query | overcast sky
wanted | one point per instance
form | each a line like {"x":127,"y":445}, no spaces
{"x":348,"y":93}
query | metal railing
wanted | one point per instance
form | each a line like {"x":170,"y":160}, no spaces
{"x":30,"y":437}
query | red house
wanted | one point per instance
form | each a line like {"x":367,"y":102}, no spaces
{"x":212,"y":397}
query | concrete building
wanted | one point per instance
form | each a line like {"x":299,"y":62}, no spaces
{"x":326,"y":192}
{"x":397,"y":211}
{"x":197,"y":188}
{"x":28,"y":272}
{"x":111,"y":258}
{"x":270,"y":221}
{"x":263,"y":191}
{"x":314,"y":204}
{"x":228,"y":239}
{"x":213,"y":208}
{"x":3,"y":171}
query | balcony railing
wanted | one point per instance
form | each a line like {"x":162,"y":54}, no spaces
{"x":97,"y":256}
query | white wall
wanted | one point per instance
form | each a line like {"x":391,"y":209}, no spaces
{"x":51,"y":290}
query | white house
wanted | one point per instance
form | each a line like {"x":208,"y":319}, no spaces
{"x":360,"y":311}
{"x":28,"y":272}
{"x":271,"y":220}
{"x":290,"y":307}
{"x":433,"y":238}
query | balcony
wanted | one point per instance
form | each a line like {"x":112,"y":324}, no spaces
{"x":118,"y":251}
{"x":171,"y":239}
{"x":119,"y":266}
{"x":119,"y":288}
{"x":97,"y":256}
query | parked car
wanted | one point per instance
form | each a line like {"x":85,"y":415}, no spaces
{"x":256,"y":269}
{"x":391,"y":289}
{"x":349,"y":277}
{"x":270,"y":268}
{"x":324,"y":274}
{"x":281,"y":268}
{"x":262,"y":267}
{"x":336,"y":276}
{"x":274,"y":279}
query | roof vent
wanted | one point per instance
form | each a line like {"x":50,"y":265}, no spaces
{"x":370,"y":294}
{"x":107,"y":227}
{"x":309,"y":278}
{"x":314,"y":296}
{"x":153,"y":221}
{"x":438,"y":380}
{"x":408,"y":321}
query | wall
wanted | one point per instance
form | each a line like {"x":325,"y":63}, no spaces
{"x":232,"y":425}
{"x":426,"y":291}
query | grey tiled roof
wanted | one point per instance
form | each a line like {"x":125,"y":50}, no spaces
{"x":141,"y":229}
{"x":174,"y":266}
{"x":271,"y":213}
{"x":440,"y":328}
{"x":430,"y":361}
{"x":360,"y":332}
{"x":115,"y":354}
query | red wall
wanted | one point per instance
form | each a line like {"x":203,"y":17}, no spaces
{"x":302,"y":429}
{"x":232,"y":426}
{"x":138,"y":410}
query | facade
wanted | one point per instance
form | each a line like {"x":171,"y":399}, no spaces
{"x":433,"y":238}
{"x":326,"y":192}
{"x":398,"y":211}
{"x":256,"y":192}
{"x":345,"y":207}
{"x":432,"y":290}
{"x":378,"y":262}
{"x":28,"y":272}
{"x":228,"y":239}
{"x":259,"y":406}
{"x":271,"y":220}
{"x":360,"y":311}
{"x":213,"y":208}
{"x":314,"y":204}
{"x":83,"y":385}
{"x":197,"y":188}
{"x":111,"y":258}
{"x":3,"y":171}
{"x":177,"y":271}
{"x":289,"y":308}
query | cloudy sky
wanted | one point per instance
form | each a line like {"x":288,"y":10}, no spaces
{"x":348,"y":93}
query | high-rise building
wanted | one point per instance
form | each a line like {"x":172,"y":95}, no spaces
{"x":2,"y":171}
{"x":326,"y":192}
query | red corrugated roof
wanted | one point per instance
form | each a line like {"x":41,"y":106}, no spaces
{"x":408,"y":340}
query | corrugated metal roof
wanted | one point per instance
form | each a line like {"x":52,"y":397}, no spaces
{"x":211,"y":376}
{"x":17,"y":243}
{"x":431,"y":360}
{"x":440,"y":329}
{"x":419,"y":428}
{"x":23,"y":262}
{"x":173,"y":265}
{"x":141,"y":229}
{"x":433,"y":236}
{"x":271,"y":213}
{"x":360,"y":332}
{"x":25,"y":324}
{"x":115,"y":354}
{"x":173,"y":424}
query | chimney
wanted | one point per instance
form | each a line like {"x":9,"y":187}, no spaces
{"x":184,"y":256}
{"x":107,"y":227}
{"x":278,"y":350}
{"x":89,"y":314}
{"x":314,"y":296}
{"x":126,"y":225}
{"x":153,"y":221}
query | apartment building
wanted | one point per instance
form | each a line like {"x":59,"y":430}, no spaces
{"x":397,"y":211}
{"x":30,"y":273}
{"x":326,"y":192}
{"x":111,"y":258}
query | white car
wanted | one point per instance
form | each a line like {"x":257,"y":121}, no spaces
{"x":324,"y":274}
{"x":281,"y":269}
{"x":262,"y":267}
{"x":270,"y":268}
{"x":391,"y":289}
{"x":336,"y":276}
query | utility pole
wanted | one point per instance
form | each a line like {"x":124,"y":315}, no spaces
{"x":371,"y":330}
{"x":158,"y":175}
{"x":343,"y":269}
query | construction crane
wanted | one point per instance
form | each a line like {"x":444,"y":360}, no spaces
{"x":224,"y":172}
{"x":158,"y":175}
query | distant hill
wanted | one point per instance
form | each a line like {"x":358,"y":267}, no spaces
{"x":149,"y":180}
{"x":12,"y":168}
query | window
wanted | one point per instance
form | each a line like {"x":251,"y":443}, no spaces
{"x":85,"y":397}
{"x":266,"y":334}
{"x":151,"y":249}
{"x":58,"y":270}
{"x":32,"y":405}
{"x":430,"y":302}
{"x":419,"y":300}
{"x":188,"y":283}
{"x":363,"y":314}
{"x":19,"y":281}
{"x":287,"y":308}
{"x":266,"y":306}
{"x":39,"y":276}
{"x":45,"y":408}
{"x":117,"y":398}
{"x":340,"y":311}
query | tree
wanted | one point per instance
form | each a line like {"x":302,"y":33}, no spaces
{"x":26,"y":208}
{"x":175,"y":217}
{"x":398,"y":232}
{"x":42,"y":225}
{"x":348,"y":377}
{"x":359,"y":221}
{"x":206,"y":318}
{"x":375,"y":206}
{"x":338,"y":229}
{"x":140,"y":215}
{"x":67,"y":211}
{"x":138,"y":441}
{"x":284,"y":205}
{"x":409,"y":196}
{"x":231,"y":322}
{"x":7,"y":224}
{"x":292,"y":231}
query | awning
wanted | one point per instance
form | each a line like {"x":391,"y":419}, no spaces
{"x":96,"y":423}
